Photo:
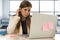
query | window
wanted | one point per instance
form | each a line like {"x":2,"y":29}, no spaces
{"x":57,"y":11}
{"x":14,"y":5}
{"x":46,"y":5}
{"x":35,"y":6}
{"x":42,"y":6}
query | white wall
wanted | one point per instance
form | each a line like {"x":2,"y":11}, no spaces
{"x":5,"y":8}
{"x":59,"y":6}
{"x":0,"y":9}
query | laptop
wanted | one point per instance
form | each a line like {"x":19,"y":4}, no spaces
{"x":43,"y":26}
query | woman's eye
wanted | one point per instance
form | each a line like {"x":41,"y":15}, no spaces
{"x":29,"y":10}
{"x":25,"y":9}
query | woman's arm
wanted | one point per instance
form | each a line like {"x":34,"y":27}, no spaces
{"x":12,"y":24}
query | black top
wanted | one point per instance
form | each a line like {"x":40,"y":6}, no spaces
{"x":24,"y":27}
{"x":23,"y":23}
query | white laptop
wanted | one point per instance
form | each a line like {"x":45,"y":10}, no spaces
{"x":43,"y":26}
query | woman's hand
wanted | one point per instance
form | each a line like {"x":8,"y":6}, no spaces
{"x":17,"y":12}
{"x":10,"y":35}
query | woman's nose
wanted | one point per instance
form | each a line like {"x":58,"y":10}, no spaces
{"x":26,"y":11}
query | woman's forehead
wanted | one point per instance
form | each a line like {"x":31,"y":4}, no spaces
{"x":27,"y":8}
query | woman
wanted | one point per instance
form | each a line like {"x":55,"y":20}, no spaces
{"x":24,"y":13}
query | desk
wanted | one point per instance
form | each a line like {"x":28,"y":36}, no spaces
{"x":57,"y":37}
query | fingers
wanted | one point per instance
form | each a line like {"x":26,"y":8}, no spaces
{"x":17,"y":12}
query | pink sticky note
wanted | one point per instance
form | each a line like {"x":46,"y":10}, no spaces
{"x":45,"y":27}
{"x":50,"y":24}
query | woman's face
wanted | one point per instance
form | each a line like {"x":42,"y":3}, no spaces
{"x":25,"y":11}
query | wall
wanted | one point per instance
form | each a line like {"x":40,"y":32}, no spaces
{"x":5,"y":8}
{"x":0,"y":9}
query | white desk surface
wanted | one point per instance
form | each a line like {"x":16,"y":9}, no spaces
{"x":57,"y":37}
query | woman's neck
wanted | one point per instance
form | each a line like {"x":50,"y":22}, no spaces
{"x":23,"y":18}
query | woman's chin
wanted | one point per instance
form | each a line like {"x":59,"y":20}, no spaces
{"x":25,"y":16}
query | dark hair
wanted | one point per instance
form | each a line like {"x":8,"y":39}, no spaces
{"x":28,"y":20}
{"x":25,"y":4}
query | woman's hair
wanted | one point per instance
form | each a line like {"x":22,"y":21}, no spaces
{"x":25,"y":4}
{"x":28,"y":20}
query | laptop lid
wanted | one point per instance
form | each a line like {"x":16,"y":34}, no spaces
{"x":43,"y":25}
